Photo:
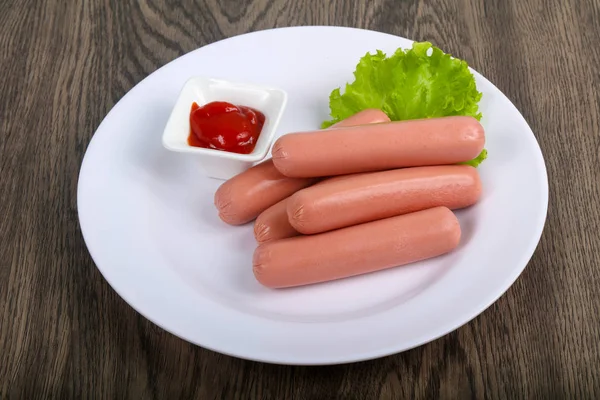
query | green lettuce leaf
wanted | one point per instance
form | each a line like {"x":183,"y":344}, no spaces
{"x":410,"y":84}
{"x":477,"y":160}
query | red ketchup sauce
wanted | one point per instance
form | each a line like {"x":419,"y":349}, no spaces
{"x":223,"y":126}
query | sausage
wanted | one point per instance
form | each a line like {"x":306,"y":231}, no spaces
{"x":368,"y":116}
{"x":436,"y":141}
{"x":242,"y":198}
{"x":273,"y":223}
{"x":359,"y":198}
{"x":356,"y":250}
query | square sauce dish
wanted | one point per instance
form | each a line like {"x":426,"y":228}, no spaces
{"x":215,"y":163}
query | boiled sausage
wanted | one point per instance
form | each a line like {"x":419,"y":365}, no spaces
{"x":356,"y":250}
{"x":355,"y":199}
{"x":377,"y":147}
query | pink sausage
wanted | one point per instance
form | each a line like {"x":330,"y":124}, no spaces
{"x":242,"y":198}
{"x":436,"y":141}
{"x":273,"y":224}
{"x":356,"y":250}
{"x":368,"y":116}
{"x":337,"y":203}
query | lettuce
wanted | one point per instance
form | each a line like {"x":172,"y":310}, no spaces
{"x":422,"y":82}
{"x":477,"y":160}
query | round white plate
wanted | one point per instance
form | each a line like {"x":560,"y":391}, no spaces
{"x":149,"y":222}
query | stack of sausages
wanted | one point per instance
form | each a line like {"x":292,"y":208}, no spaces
{"x":364,"y":195}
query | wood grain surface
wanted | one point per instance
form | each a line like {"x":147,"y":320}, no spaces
{"x":64,"y":333}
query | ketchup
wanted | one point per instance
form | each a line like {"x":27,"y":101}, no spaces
{"x":223,"y":126}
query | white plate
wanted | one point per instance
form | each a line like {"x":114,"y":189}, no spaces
{"x":150,"y":225}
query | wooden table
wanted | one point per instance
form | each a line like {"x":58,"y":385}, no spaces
{"x":64,"y":333}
